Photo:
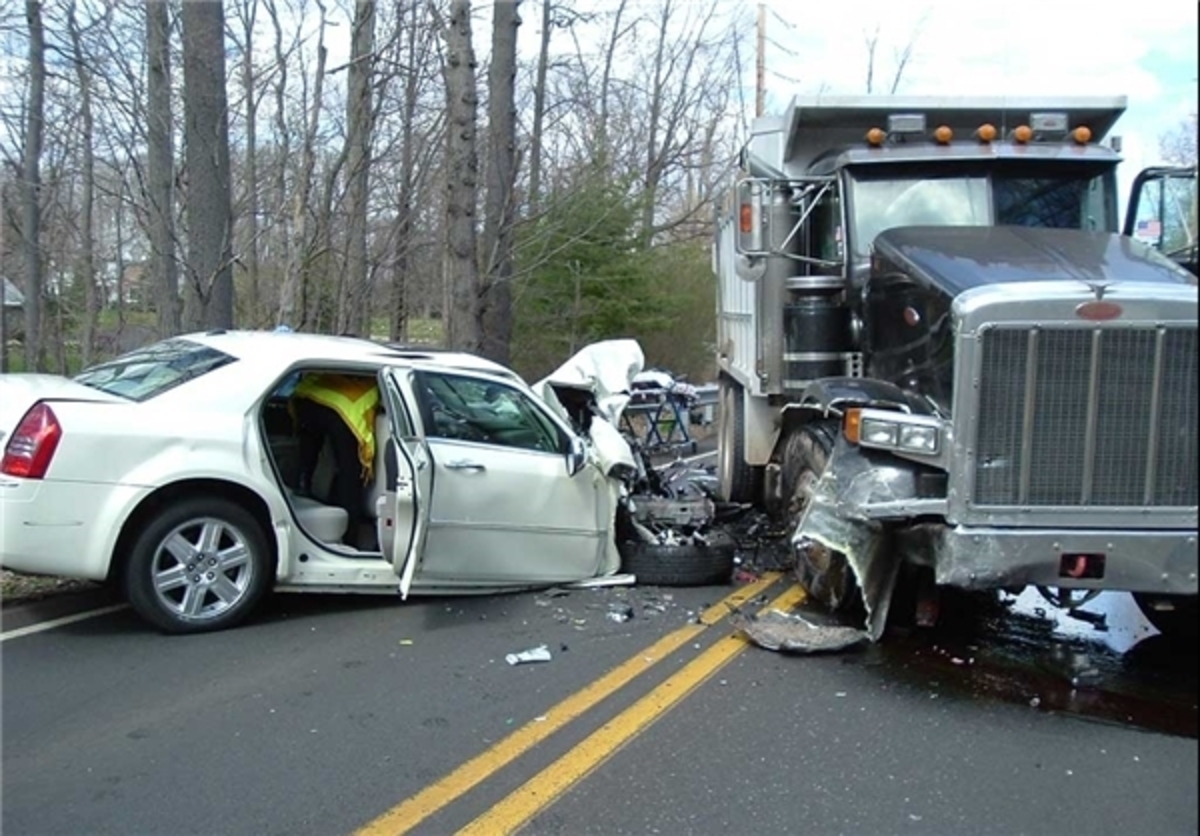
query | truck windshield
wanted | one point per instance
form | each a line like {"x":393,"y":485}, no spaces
{"x":1009,"y":196}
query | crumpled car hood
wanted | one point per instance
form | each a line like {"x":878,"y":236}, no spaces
{"x":605,"y":370}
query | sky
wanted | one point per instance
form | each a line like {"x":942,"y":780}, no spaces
{"x":1146,"y":51}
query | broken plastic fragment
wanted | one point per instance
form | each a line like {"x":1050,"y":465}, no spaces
{"x":793,"y":633}
{"x":535,"y":654}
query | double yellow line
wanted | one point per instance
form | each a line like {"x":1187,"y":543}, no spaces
{"x":522,"y":804}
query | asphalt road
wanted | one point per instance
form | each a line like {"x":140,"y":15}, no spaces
{"x":326,"y":713}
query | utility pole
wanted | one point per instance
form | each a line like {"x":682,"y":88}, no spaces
{"x":760,"y":65}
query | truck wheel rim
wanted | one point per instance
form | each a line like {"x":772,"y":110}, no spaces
{"x":202,"y":569}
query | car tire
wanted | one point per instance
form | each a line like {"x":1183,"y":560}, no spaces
{"x":737,"y":481}
{"x":1179,"y":624}
{"x":221,"y":580}
{"x":693,"y":564}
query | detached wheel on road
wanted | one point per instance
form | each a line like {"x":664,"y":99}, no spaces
{"x":737,"y":481}
{"x":201,"y":564}
{"x":1177,"y":623}
{"x":687,"y":565}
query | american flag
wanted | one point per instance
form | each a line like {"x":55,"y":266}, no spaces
{"x":1149,"y":229}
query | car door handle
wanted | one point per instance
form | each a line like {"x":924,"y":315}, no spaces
{"x":463,"y":464}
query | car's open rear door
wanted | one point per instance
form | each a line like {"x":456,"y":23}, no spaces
{"x":409,"y":491}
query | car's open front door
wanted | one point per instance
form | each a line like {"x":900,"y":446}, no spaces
{"x":1162,"y":212}
{"x":409,"y":480}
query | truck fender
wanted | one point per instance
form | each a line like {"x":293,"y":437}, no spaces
{"x":833,"y":395}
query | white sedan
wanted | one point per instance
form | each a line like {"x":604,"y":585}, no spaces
{"x":172,"y":472}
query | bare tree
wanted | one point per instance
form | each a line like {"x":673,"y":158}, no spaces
{"x":163,"y":272}
{"x":1178,"y":145}
{"x":86,"y":273}
{"x":247,"y":12}
{"x":32,"y":186}
{"x":539,"y":108}
{"x":496,"y":292}
{"x":352,"y":313}
{"x":462,"y":163}
{"x":209,"y":300}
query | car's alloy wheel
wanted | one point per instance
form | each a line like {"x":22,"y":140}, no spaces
{"x":200,"y":565}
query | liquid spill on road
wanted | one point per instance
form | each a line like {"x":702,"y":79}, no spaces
{"x":988,"y":647}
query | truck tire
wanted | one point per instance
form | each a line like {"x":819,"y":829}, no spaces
{"x":688,"y":565}
{"x":824,"y":573}
{"x":1179,"y":624}
{"x":737,"y":481}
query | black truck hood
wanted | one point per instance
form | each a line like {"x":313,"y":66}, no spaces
{"x":958,"y":258}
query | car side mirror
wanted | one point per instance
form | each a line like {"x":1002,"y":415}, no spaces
{"x":576,"y":456}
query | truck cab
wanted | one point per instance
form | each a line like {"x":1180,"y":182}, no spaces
{"x":939,"y":353}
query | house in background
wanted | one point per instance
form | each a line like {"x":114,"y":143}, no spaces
{"x":14,"y":307}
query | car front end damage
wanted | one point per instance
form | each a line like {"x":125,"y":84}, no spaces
{"x":1067,"y":462}
{"x":663,"y":518}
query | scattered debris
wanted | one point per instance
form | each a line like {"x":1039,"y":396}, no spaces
{"x":620,"y":613}
{"x":794,"y":633}
{"x":406,"y":642}
{"x":541,"y":653}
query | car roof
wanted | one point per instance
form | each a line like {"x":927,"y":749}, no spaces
{"x":288,"y":347}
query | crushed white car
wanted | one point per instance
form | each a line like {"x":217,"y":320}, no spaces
{"x":172,"y":473}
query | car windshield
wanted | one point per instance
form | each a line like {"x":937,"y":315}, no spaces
{"x":146,"y":372}
{"x":1007,"y":196}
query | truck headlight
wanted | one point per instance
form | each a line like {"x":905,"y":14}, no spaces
{"x":876,"y":433}
{"x":886,"y":430}
{"x":920,"y":439}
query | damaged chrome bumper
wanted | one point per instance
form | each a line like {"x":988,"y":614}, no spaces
{"x":986,"y":558}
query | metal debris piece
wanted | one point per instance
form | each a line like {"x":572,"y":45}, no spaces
{"x":595,"y":583}
{"x":1099,"y":620}
{"x":794,"y":633}
{"x":540,"y":653}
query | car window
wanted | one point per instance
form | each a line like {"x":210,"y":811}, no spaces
{"x":470,"y":409}
{"x":146,"y":372}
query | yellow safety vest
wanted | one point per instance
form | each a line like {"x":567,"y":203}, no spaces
{"x":356,"y":400}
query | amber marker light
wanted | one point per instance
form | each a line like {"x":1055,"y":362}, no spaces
{"x":986,"y":133}
{"x":876,"y":136}
{"x":852,"y":424}
{"x":1082,"y":135}
{"x":747,"y":218}
{"x":1022,"y":133}
{"x":943,"y":135}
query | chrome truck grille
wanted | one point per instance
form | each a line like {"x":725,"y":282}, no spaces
{"x":1083,"y":417}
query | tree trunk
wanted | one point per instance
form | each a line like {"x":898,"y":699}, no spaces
{"x":402,"y":237}
{"x":163,"y":273}
{"x":353,"y":304}
{"x":462,"y":164}
{"x":32,"y":188}
{"x":209,"y":301}
{"x":87,"y":256}
{"x":653,"y":162}
{"x":495,"y":321}
{"x":602,"y":144}
{"x":250,"y":91}
{"x":539,"y":110}
{"x":295,"y":288}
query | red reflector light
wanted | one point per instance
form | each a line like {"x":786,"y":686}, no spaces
{"x":1098,"y":311}
{"x":32,"y":445}
{"x":747,"y":218}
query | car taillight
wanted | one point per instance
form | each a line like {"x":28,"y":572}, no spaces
{"x":31,"y":447}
